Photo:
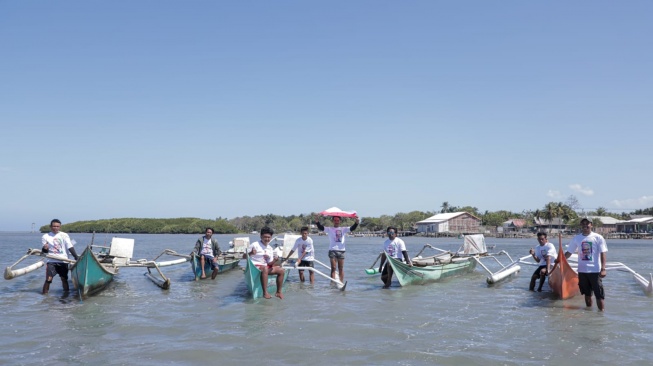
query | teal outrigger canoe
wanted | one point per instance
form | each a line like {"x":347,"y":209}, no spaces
{"x":430,"y":269}
{"x":253,"y":280}
{"x":225,"y":263}
{"x":89,"y":276}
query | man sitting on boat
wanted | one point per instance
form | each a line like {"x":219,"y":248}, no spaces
{"x":208,"y":250}
{"x":57,"y":243}
{"x":262,"y":256}
{"x":395,"y":248}
{"x":545,"y":254}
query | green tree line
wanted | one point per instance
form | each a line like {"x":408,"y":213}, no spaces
{"x":568,"y":212}
{"x":183,"y":225}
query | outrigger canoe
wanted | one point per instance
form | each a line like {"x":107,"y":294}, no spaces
{"x":253,"y":280}
{"x":226,"y":260}
{"x":225,"y":263}
{"x":430,"y":269}
{"x":89,"y":276}
{"x":445,"y":264}
{"x":563,"y":279}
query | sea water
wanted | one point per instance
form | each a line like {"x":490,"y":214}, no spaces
{"x":459,"y":321}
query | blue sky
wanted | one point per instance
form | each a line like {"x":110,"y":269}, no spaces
{"x":223,"y":109}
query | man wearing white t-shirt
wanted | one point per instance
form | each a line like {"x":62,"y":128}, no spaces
{"x":395,"y":248}
{"x":337,"y":244}
{"x":207,"y":250}
{"x":57,"y":243}
{"x":545,"y":254}
{"x":305,"y":254}
{"x":591,"y":248}
{"x":262,"y":256}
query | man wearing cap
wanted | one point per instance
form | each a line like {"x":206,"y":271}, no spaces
{"x":591,"y":248}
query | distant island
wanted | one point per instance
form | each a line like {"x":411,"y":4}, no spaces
{"x":568,"y":212}
{"x":183,"y":225}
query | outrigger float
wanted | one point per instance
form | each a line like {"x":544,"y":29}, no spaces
{"x":93,"y":271}
{"x":446,"y":263}
{"x":563,"y":278}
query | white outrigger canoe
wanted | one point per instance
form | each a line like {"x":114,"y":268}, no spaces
{"x":117,"y":255}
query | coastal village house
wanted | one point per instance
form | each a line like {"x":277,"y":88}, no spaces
{"x":602,"y":225}
{"x":553,"y":226}
{"x":641,"y":224}
{"x":514,"y":226}
{"x":605,"y":224}
{"x":452,"y":222}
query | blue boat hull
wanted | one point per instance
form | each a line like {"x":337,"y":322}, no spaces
{"x":225,"y":263}
{"x":89,"y":276}
{"x":253,"y":280}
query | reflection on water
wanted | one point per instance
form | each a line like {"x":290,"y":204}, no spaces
{"x":460,"y":320}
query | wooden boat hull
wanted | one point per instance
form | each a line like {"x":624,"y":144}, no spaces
{"x":225,"y":263}
{"x":563,"y":280}
{"x":89,"y":276}
{"x":408,"y":275}
{"x":253,"y":280}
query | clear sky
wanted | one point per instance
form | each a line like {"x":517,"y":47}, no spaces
{"x":231,"y":108}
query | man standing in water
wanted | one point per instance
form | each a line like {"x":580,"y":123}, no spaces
{"x":262,"y":255}
{"x":591,"y":248}
{"x":337,"y":244}
{"x":395,"y":248}
{"x":305,"y":254}
{"x":545,"y":254}
{"x":57,"y":243}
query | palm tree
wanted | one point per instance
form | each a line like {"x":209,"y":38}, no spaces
{"x":566,"y":213}
{"x":601,"y":211}
{"x":536,"y":218}
{"x":445,"y":207}
{"x":550,"y":212}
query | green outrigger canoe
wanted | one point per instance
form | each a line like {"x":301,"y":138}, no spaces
{"x":89,"y":276}
{"x":226,"y":260}
{"x":225,"y":263}
{"x":430,"y":269}
{"x":253,"y":280}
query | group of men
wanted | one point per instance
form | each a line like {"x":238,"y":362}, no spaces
{"x":591,"y":247}
{"x":592,"y":259}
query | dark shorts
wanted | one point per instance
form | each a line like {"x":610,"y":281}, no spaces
{"x":337,"y":254}
{"x":304,"y":263}
{"x":538,"y":270}
{"x":54,"y":269}
{"x":209,"y":259}
{"x":591,"y":282}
